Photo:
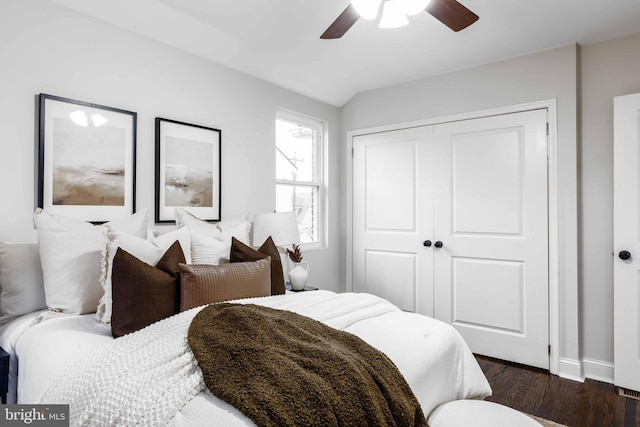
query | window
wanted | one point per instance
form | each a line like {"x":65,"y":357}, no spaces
{"x":299,"y":172}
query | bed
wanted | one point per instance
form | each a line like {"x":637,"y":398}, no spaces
{"x":74,"y":358}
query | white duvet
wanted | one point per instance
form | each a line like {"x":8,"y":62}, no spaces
{"x":151,"y":376}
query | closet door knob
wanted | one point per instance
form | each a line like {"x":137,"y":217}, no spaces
{"x":624,"y":255}
{"x":438,"y":244}
{"x":427,"y":243}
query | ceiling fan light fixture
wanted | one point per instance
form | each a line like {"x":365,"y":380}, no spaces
{"x":413,"y":7}
{"x":368,"y":9}
{"x":393,"y":16}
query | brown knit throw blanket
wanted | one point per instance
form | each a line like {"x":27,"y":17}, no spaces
{"x":283,"y":369}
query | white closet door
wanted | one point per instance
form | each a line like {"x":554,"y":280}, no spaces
{"x":626,"y":236}
{"x":490,"y":204}
{"x":393,"y":217}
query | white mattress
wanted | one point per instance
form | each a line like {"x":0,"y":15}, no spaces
{"x":436,"y":363}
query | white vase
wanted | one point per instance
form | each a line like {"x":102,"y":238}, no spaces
{"x":298,"y":275}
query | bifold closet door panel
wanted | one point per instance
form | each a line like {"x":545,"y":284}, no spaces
{"x":490,"y":214}
{"x":393,"y":217}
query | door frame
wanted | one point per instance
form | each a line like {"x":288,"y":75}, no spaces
{"x":552,"y":193}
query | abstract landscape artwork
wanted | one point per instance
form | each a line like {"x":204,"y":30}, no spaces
{"x":88,"y":165}
{"x":187,"y":170}
{"x":188,"y":179}
{"x":87,"y":159}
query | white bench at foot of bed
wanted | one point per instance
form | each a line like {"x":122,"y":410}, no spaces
{"x":478,"y":413}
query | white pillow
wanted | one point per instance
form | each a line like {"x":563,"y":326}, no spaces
{"x":135,"y":224}
{"x":167,"y":239}
{"x":206,"y":249}
{"x":152,"y":234}
{"x":71,"y":253}
{"x":145,"y":250}
{"x":210,"y":244}
{"x":20,"y":280}
{"x":186,"y":219}
{"x":227,"y":225}
{"x":239,"y":228}
{"x":241,"y":231}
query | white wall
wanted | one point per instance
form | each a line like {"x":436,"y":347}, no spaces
{"x":607,"y":70}
{"x":50,"y":49}
{"x":539,"y":76}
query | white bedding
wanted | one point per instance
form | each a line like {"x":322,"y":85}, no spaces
{"x":434,"y":359}
{"x":41,"y":344}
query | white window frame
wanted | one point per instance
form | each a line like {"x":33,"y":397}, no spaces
{"x":320,"y":180}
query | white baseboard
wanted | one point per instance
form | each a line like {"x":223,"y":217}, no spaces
{"x":570,"y":369}
{"x":598,"y":370}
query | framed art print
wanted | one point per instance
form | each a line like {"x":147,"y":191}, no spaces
{"x":87,"y":159}
{"x":188,"y":171}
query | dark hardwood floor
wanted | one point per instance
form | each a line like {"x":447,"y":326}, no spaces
{"x":536,"y":392}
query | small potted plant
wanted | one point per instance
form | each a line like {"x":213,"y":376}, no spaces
{"x":299,"y":274}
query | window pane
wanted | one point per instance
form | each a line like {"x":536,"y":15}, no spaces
{"x":295,"y":151}
{"x":302,"y":200}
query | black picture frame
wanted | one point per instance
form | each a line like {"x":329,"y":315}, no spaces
{"x":188,"y":172}
{"x":86,"y":159}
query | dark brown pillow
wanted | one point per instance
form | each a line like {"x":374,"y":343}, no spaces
{"x":242,"y":253}
{"x":143,"y":294}
{"x":205,"y":284}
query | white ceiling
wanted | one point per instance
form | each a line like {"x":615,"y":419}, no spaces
{"x":279,"y":40}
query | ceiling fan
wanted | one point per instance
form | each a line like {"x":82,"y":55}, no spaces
{"x":451,"y":13}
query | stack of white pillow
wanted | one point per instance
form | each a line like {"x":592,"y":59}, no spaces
{"x":69,"y":270}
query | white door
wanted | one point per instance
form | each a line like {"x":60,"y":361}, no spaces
{"x":393,"y":217}
{"x":626,"y":232}
{"x":490,"y":204}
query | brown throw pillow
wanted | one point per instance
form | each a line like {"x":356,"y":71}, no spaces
{"x":143,"y":294}
{"x":205,"y":284}
{"x":242,"y":253}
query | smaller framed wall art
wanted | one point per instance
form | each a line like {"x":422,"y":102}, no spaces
{"x":188,"y":171}
{"x":87,"y":159}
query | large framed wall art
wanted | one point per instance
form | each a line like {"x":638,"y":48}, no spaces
{"x":188,"y":170}
{"x":87,"y":159}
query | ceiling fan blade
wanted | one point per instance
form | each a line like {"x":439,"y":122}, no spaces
{"x":342,"y":24}
{"x":452,"y":14}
